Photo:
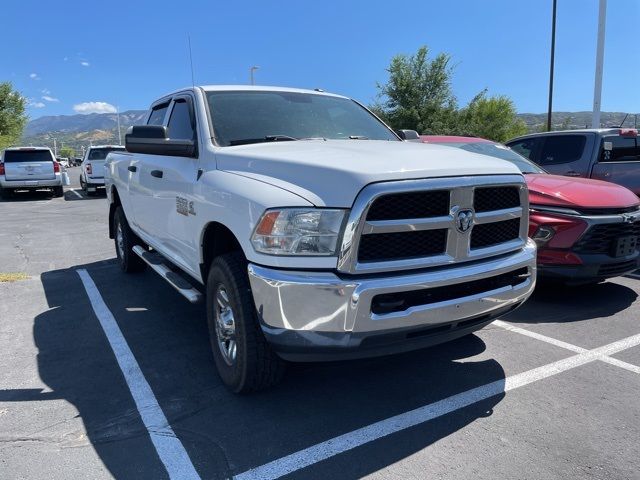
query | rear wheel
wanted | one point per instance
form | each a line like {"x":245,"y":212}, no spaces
{"x":243,"y":357}
{"x":125,"y":240}
{"x":58,"y":191}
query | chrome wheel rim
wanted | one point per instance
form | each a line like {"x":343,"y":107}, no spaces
{"x":120,"y":240}
{"x":225,"y":326}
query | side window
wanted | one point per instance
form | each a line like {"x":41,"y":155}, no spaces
{"x":525,"y":147}
{"x":157,"y":114}
{"x":619,"y":149}
{"x":559,"y":149}
{"x":180,"y":124}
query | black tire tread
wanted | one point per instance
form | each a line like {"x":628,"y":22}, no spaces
{"x":263,"y":367}
{"x":131,"y":263}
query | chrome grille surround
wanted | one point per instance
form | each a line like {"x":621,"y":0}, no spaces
{"x":458,"y":249}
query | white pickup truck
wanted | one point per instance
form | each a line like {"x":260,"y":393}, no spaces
{"x":314,"y":231}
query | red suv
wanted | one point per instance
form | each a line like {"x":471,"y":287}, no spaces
{"x":586,"y":230}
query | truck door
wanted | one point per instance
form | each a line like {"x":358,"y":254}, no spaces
{"x":140,"y":180}
{"x":171,"y":179}
{"x":618,"y":161}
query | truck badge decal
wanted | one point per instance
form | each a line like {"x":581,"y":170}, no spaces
{"x":184,"y":207}
{"x":464,"y":219}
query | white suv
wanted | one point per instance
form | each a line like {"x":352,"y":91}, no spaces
{"x":29,"y":168}
{"x":92,"y":173}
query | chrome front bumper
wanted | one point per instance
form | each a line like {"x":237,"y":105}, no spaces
{"x":306,"y":312}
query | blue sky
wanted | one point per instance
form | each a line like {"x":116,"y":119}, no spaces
{"x":73,"y":56}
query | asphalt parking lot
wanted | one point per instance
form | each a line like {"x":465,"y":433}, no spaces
{"x":551,"y":391}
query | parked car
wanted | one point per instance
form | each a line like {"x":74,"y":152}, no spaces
{"x":76,"y":161}
{"x":92,"y":173}
{"x":586,"y":230}
{"x":314,"y":230}
{"x":64,"y":161}
{"x":610,"y":154}
{"x":29,"y":168}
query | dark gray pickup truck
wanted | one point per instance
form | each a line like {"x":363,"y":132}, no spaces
{"x":610,"y":154}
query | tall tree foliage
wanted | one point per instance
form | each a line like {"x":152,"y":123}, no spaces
{"x":12,"y":115}
{"x":491,"y":117}
{"x":418,"y":96}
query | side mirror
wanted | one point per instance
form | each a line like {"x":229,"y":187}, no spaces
{"x":408,"y":134}
{"x":155,"y":140}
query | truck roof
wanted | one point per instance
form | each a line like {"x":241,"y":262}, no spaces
{"x":600,"y":131}
{"x":106,"y":146}
{"x":255,"y":88}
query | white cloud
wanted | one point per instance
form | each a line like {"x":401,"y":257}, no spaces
{"x":49,"y":99}
{"x":37,"y":104}
{"x":84,"y":63}
{"x":45,"y":91}
{"x":94,"y":107}
{"x":34,"y":76}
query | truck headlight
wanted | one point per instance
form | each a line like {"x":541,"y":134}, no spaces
{"x":298,"y":231}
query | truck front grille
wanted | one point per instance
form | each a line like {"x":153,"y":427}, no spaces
{"x":600,"y":238}
{"x":496,"y":198}
{"x":410,"y":205}
{"x":490,"y":234}
{"x":399,"y":246}
{"x":422,"y":223}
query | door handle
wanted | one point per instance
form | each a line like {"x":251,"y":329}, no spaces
{"x":572,"y":173}
{"x":132,"y":168}
{"x":156,"y":173}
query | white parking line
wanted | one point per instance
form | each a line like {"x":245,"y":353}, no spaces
{"x":76,"y":193}
{"x":561,"y":344}
{"x":169,"y":448}
{"x":348,"y":441}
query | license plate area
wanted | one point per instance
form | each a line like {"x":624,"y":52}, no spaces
{"x":624,"y":246}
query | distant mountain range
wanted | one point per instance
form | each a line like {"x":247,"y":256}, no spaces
{"x":76,"y":131}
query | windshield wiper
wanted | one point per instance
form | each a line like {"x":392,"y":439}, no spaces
{"x":266,"y":138}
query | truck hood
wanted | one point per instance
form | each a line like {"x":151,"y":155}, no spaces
{"x":332,"y":172}
{"x":555,"y":190}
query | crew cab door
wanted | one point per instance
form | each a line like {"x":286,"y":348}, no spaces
{"x":565,"y":154}
{"x":167,"y":201}
{"x":618,"y":161}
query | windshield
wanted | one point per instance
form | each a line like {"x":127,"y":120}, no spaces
{"x":11,"y":156}
{"x":101,"y":153}
{"x":243,"y":117}
{"x":499,"y":151}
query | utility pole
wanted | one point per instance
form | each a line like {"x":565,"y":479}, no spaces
{"x":553,"y":54}
{"x":55,"y":148}
{"x":251,"y":70}
{"x":119,"y":132}
{"x":597,"y":90}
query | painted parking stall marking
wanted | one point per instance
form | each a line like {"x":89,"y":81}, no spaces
{"x":565,"y":345}
{"x":343,"y":443}
{"x":169,"y":448}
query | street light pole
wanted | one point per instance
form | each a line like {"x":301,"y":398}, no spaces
{"x":553,"y":54}
{"x":251,"y":70}
{"x":597,"y":89}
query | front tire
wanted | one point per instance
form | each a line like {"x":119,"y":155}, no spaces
{"x":243,"y":357}
{"x":125,"y":240}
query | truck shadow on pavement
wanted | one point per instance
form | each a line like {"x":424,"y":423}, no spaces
{"x":560,"y":304}
{"x":29,"y":196}
{"x":225,"y":434}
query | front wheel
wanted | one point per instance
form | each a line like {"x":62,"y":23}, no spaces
{"x":125,"y":240}
{"x":243,"y":357}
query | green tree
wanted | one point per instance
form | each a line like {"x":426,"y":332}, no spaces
{"x":418,"y":93}
{"x":491,"y":117}
{"x":12,"y":115}
{"x":67,"y":152}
